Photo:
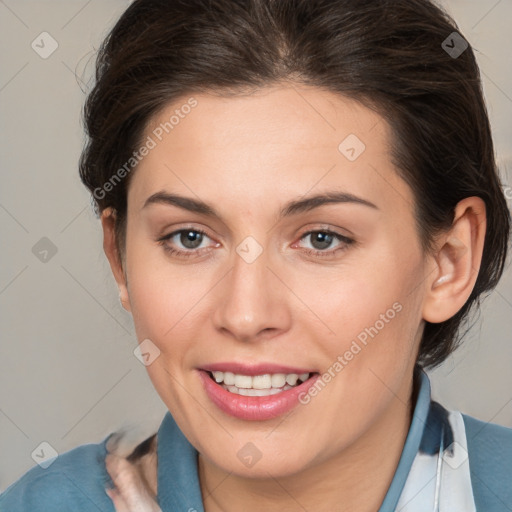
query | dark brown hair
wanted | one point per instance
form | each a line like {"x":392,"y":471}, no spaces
{"x":394,"y":56}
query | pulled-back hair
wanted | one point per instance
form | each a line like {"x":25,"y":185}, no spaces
{"x":397,"y":57}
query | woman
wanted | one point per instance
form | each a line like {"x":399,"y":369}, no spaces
{"x":300,"y":206}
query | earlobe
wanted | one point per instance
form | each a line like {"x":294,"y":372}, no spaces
{"x":108,"y":219}
{"x":124,"y":298}
{"x":456,"y":262}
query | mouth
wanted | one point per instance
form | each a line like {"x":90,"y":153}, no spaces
{"x":258,"y":385}
{"x":255,"y":392}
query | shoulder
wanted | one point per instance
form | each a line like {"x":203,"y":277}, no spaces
{"x":75,"y":480}
{"x":490,"y":463}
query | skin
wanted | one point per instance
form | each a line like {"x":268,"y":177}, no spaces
{"x":247,"y":156}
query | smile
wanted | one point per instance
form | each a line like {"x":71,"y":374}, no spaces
{"x":258,"y":385}
{"x":255,"y":393}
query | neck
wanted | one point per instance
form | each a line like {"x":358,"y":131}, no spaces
{"x":355,"y":479}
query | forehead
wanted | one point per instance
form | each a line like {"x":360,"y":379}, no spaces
{"x":278,"y":141}
{"x":282,"y":116}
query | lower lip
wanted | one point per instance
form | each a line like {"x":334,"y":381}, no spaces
{"x":257,"y":408}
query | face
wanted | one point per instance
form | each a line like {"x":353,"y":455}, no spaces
{"x":329,"y":289}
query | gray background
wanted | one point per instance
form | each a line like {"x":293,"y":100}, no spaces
{"x":68,"y":375}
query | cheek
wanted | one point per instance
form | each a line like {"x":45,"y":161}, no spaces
{"x":371,"y":310}
{"x":163,"y":297}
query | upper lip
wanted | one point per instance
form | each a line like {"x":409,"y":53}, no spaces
{"x":254,"y":369}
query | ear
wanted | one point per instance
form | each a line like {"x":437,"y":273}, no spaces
{"x":456,"y":262}
{"x":108,"y":218}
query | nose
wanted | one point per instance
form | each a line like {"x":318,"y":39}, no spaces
{"x":252,"y":304}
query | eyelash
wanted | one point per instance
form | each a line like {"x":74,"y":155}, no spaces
{"x":193,"y":252}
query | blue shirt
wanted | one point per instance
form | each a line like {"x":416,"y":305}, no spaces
{"x":76,"y":479}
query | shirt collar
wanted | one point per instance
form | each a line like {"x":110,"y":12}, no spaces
{"x":412,"y":442}
{"x":178,"y":481}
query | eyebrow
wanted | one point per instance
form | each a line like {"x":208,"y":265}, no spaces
{"x":291,"y":208}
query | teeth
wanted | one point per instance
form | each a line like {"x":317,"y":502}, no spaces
{"x":261,"y":382}
{"x":274,"y":382}
{"x":278,"y":380}
{"x":292,"y":379}
{"x":229,"y":378}
{"x":243,"y":381}
{"x":256,"y":392}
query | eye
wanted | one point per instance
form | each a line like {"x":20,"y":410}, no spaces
{"x":189,"y":238}
{"x":323,"y":239}
{"x":192,"y":238}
